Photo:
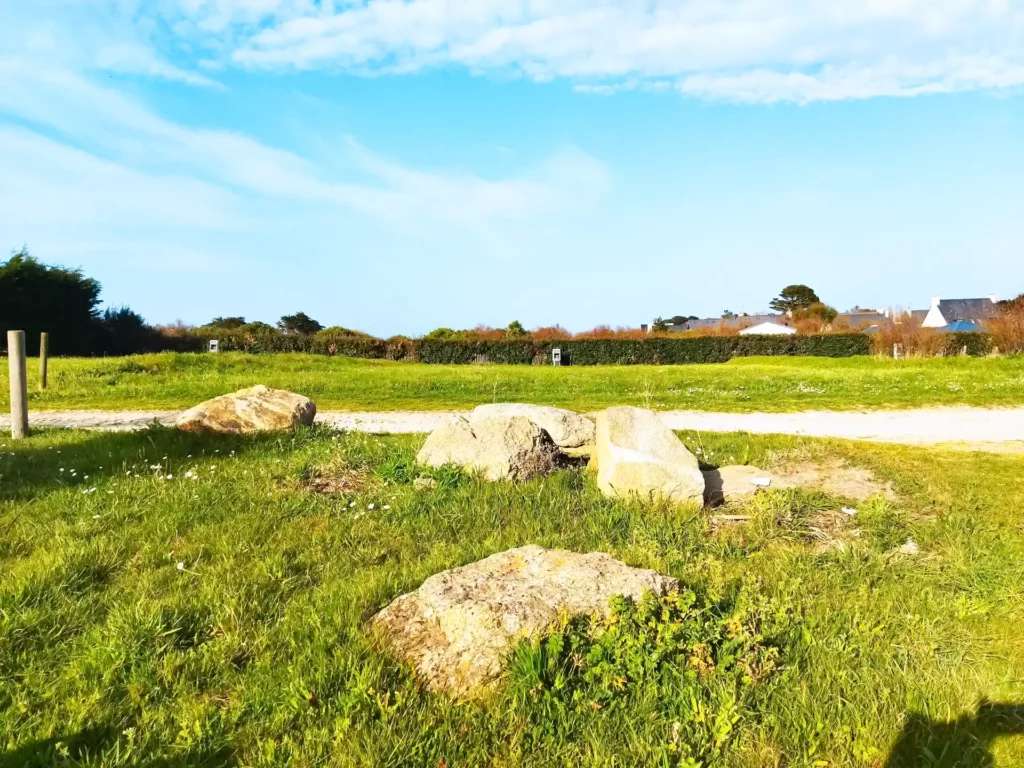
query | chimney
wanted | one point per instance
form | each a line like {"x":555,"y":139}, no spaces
{"x":935,"y":301}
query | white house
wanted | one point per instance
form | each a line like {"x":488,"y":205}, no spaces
{"x":960,"y":313}
{"x":768,"y":329}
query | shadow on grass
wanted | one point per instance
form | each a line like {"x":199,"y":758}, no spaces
{"x":962,"y":743}
{"x":86,"y":747}
{"x":35,"y":469}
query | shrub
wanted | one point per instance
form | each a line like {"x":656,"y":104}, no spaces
{"x":973,"y":344}
{"x":700,"y":665}
{"x":914,"y":340}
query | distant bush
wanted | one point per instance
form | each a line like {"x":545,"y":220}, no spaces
{"x":973,"y":344}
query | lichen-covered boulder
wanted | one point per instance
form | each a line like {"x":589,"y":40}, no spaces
{"x":500,"y":449}
{"x":726,"y":485}
{"x":459,"y":626}
{"x":637,"y":455}
{"x":256,"y":409}
{"x":572,"y":432}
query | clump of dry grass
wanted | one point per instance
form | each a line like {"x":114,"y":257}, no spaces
{"x":336,"y":478}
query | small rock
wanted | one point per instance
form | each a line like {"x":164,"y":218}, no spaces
{"x":910,"y":548}
{"x":848,"y":511}
{"x":459,"y":626}
{"x":734,"y":483}
{"x":257,"y":409}
{"x":424,"y":484}
{"x":637,"y":455}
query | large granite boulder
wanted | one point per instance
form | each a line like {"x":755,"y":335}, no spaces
{"x":257,"y":409}
{"x":636,"y":455}
{"x":572,"y":432}
{"x":500,"y":449}
{"x":727,"y":485}
{"x":459,"y":626}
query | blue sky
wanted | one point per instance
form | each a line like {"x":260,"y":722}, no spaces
{"x":397,"y":165}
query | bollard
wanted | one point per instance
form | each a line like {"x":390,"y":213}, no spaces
{"x":44,"y":349}
{"x":19,"y":383}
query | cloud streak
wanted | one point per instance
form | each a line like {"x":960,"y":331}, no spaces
{"x":80,"y":156}
{"x":746,"y":50}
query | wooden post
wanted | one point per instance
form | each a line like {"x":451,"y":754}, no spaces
{"x":19,"y":383}
{"x":44,"y":344}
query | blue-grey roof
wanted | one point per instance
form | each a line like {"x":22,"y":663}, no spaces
{"x":961,"y":326}
{"x":861,"y":319}
{"x":968,"y":310}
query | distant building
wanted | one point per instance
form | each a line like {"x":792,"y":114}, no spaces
{"x":861,"y":319}
{"x":960,"y":314}
{"x":768,"y":329}
{"x":735,"y":322}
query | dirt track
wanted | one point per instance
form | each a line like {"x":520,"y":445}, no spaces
{"x":999,"y":429}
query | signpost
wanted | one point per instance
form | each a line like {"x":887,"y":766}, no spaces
{"x":19,"y":383}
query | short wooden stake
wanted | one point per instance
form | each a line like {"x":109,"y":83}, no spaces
{"x":44,"y":349}
{"x":19,"y":383}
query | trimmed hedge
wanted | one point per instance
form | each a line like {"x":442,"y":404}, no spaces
{"x":652,"y":351}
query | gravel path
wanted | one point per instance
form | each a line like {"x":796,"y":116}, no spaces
{"x":974,"y":428}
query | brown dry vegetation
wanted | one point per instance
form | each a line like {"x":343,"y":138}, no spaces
{"x":1007,"y":331}
{"x":914,"y":340}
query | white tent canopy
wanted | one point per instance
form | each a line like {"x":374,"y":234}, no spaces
{"x":767,"y":329}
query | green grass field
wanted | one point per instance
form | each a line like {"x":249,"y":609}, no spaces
{"x":172,"y":381}
{"x":177,"y":600}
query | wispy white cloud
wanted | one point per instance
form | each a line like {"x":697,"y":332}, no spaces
{"x":737,"y":50}
{"x":746,"y":50}
{"x":86,"y":153}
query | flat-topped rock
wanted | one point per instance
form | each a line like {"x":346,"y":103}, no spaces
{"x":572,"y":432}
{"x":636,"y":455}
{"x":511,"y":448}
{"x":256,"y":409}
{"x":459,"y":626}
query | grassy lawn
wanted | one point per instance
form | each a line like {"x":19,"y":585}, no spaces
{"x":172,"y":381}
{"x":176,"y":600}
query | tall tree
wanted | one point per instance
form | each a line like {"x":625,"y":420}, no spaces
{"x":794,"y":297}
{"x":300,"y":322}
{"x":124,"y":332}
{"x":226,"y":323}
{"x":35,"y":297}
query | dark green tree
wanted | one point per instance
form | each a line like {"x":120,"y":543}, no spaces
{"x":124,"y":332}
{"x":441,"y":334}
{"x":300,"y":322}
{"x":659,"y":326}
{"x":35,"y":297}
{"x":794,"y":297}
{"x":681,"y":319}
{"x":515,"y":329}
{"x":225,"y":323}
